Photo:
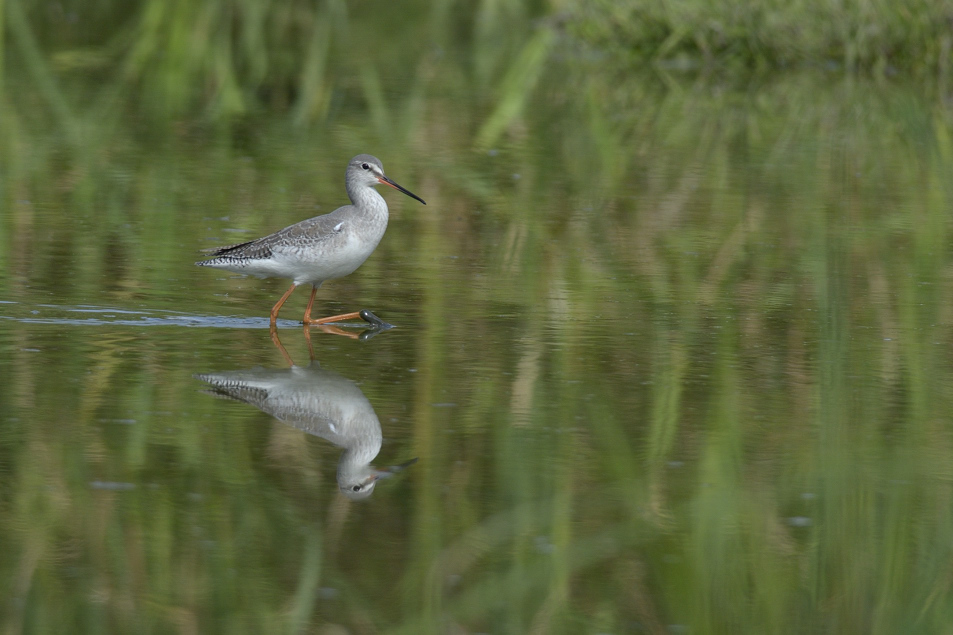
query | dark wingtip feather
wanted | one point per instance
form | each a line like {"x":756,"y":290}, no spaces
{"x":250,"y":249}
{"x":221,"y":251}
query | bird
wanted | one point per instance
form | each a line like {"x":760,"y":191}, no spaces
{"x":320,"y":402}
{"x":320,"y":248}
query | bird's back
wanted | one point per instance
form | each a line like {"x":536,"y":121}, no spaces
{"x":313,"y":250}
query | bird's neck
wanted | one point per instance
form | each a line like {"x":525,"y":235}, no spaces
{"x":359,"y":448}
{"x":369,"y":200}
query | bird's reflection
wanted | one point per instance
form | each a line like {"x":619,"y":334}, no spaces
{"x":320,"y":402}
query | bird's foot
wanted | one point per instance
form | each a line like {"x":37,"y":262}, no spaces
{"x":375,"y":322}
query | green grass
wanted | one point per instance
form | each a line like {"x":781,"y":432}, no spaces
{"x":225,"y":60}
{"x":880,"y":36}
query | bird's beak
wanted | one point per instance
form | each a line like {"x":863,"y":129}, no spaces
{"x":386,"y":181}
{"x":394,"y":469}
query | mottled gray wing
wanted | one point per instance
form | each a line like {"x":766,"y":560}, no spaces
{"x":252,"y":249}
{"x":307,"y":231}
{"x":302,"y":409}
{"x":226,"y":388}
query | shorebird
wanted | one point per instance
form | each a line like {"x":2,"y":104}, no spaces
{"x":320,"y":402}
{"x":320,"y":248}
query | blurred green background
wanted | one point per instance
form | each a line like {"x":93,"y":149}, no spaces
{"x":674,"y":328}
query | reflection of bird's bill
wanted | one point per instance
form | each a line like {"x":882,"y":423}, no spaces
{"x":394,"y":469}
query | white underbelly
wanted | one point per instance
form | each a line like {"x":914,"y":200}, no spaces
{"x":317,"y":265}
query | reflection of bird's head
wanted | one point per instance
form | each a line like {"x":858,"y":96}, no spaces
{"x":360,"y":485}
{"x":359,"y":490}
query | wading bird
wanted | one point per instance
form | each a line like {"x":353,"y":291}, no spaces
{"x":320,"y":248}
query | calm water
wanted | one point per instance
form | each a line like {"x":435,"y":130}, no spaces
{"x":671,"y":359}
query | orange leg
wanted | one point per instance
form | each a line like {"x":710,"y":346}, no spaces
{"x":307,"y":337}
{"x":281,"y":348}
{"x":274,"y":309}
{"x":333,"y":318}
{"x":334,"y":330}
{"x":307,"y":312}
{"x":307,"y":321}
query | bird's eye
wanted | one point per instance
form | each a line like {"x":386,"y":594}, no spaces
{"x":357,"y":488}
{"x":365,"y":166}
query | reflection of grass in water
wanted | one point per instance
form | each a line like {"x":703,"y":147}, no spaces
{"x":789,"y":271}
{"x":769,"y":285}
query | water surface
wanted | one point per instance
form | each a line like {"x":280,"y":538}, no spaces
{"x":671,"y":358}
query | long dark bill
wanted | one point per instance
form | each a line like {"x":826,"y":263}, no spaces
{"x":387,"y":181}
